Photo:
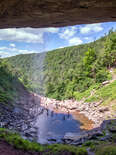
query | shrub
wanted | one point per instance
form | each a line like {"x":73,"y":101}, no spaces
{"x":106,"y":150}
{"x":20,"y":143}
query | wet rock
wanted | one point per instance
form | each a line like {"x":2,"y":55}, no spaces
{"x":67,"y":141}
{"x":17,"y":110}
{"x":75,"y":138}
{"x":71,"y":136}
{"x":32,"y":131}
{"x":96,"y":134}
{"x":112,"y":129}
{"x":107,"y":133}
{"x":51,"y":139}
{"x":107,"y":137}
{"x":76,"y":143}
{"x":24,"y":127}
{"x":27,"y":134}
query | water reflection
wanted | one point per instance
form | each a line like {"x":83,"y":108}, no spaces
{"x":52,"y":126}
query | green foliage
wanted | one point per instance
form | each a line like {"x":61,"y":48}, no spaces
{"x":60,"y":148}
{"x":80,"y":95}
{"x":71,"y":74}
{"x":68,"y":72}
{"x":20,"y":143}
{"x":88,"y":60}
{"x":106,"y":150}
{"x":28,"y":68}
{"x":102,"y":75}
{"x":9,"y":84}
{"x":91,"y":144}
{"x":107,"y":94}
{"x":109,"y":57}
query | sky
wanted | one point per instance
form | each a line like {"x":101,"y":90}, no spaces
{"x":15,"y":41}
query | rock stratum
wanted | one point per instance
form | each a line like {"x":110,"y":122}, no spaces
{"x":55,"y":13}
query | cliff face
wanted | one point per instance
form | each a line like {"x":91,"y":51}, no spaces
{"x":55,"y":13}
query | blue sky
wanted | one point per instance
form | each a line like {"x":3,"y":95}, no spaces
{"x":28,"y":40}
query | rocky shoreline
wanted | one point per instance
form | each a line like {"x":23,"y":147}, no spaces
{"x":22,"y":118}
{"x":103,"y":127}
{"x":92,"y":111}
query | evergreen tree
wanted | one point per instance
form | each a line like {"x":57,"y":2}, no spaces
{"x":110,"y":50}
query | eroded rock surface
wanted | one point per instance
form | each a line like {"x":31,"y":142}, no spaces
{"x":55,"y":13}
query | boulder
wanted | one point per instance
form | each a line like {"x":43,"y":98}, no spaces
{"x":75,"y":137}
{"x":95,"y":134}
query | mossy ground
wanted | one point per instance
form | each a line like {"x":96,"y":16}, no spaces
{"x":106,"y":149}
{"x":96,"y":146}
{"x":56,"y":149}
{"x":107,"y":94}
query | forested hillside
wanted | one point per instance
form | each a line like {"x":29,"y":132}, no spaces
{"x":68,"y":72}
{"x":29,"y":70}
{"x":63,"y":69}
{"x":10,"y":87}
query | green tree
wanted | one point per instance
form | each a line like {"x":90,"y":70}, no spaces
{"x":89,"y":57}
{"x":110,"y":50}
{"x":88,"y":61}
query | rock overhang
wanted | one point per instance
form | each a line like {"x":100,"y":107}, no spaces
{"x":55,"y":13}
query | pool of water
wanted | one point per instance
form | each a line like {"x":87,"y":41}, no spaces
{"x":52,"y":126}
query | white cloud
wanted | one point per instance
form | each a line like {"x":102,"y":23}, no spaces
{"x":3,"y":48}
{"x":62,"y":47}
{"x":10,"y":51}
{"x":23,"y":51}
{"x":51,"y":30}
{"x":75,"y":41}
{"x":91,"y":28}
{"x":67,"y":33}
{"x":28,"y":35}
{"x":4,"y":54}
{"x":21,"y":35}
{"x":12,"y":45}
{"x":88,"y":39}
